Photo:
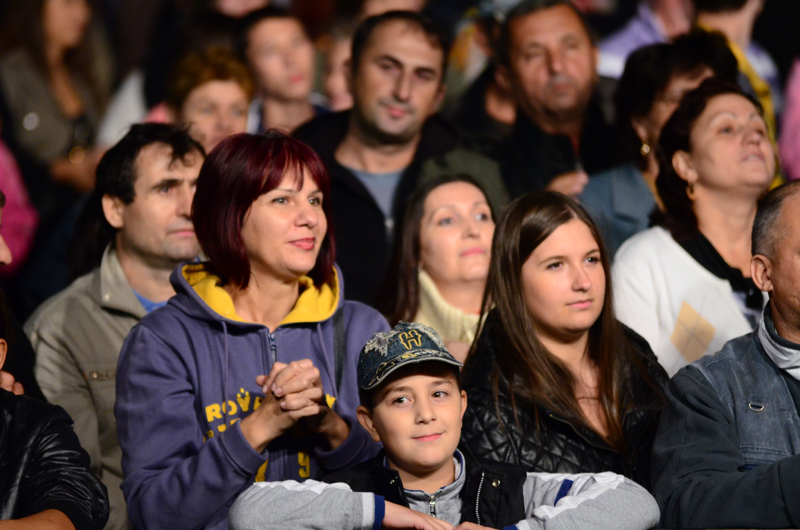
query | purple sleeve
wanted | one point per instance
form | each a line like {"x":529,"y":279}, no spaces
{"x":174,"y":477}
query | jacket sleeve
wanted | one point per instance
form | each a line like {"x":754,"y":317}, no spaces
{"x":58,"y":477}
{"x":174,"y":477}
{"x":61,"y":382}
{"x":362,"y":324}
{"x":291,"y":505}
{"x":698,"y":467}
{"x":586,"y":501}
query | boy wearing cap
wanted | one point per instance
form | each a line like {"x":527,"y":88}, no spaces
{"x":412,"y":402}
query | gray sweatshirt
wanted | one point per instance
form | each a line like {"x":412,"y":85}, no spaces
{"x":552,"y":501}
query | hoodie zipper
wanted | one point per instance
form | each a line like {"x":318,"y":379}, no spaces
{"x":273,"y":349}
{"x":433,"y":505}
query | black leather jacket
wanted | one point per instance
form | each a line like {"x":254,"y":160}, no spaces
{"x":42,"y":465}
{"x":558,"y":446}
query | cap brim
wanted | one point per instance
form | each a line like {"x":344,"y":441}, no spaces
{"x":404,"y":360}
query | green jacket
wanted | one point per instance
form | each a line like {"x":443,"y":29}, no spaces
{"x":77,"y":335}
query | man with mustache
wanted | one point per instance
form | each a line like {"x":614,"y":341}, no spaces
{"x":390,"y":140}
{"x":548,"y":59}
{"x":135,"y":229}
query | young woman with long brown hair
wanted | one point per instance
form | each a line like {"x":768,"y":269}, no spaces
{"x":555,"y":382}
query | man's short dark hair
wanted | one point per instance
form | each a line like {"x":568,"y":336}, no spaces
{"x":767,"y":229}
{"x":255,"y":18}
{"x":367,"y":397}
{"x":420,"y":22}
{"x":528,"y":7}
{"x":718,"y":6}
{"x":116,"y":174}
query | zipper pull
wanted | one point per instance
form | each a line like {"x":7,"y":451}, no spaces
{"x":433,"y":505}
{"x":273,"y":348}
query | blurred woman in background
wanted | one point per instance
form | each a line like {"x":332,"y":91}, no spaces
{"x":684,"y":284}
{"x":441,"y":260}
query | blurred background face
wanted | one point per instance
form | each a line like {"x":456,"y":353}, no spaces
{"x":238,"y":8}
{"x":214,"y":111}
{"x":456,"y":234}
{"x":64,"y":22}
{"x":731,"y":151}
{"x":282,"y":57}
{"x":335,"y":81}
{"x":649,"y":128}
{"x":377,"y":7}
{"x":552,"y":63}
{"x":397,"y":83}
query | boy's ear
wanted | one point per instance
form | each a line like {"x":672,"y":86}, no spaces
{"x":365,"y":419}
{"x":463,"y":403}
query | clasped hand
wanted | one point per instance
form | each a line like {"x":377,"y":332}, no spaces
{"x":292,"y":393}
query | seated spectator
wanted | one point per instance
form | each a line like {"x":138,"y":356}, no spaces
{"x":655,"y":21}
{"x":47,"y":484}
{"x":391,"y":140}
{"x":729,"y":435}
{"x":547,"y":56}
{"x":196,"y":422}
{"x":556,"y":384}
{"x":281,"y":55}
{"x":54,"y":98}
{"x":759,"y":74}
{"x":656,"y":78}
{"x":21,"y":218}
{"x":135,"y":229}
{"x":485,"y":112}
{"x":438,"y":270}
{"x":684,"y":284}
{"x":411,"y":400}
{"x":789,"y":140}
{"x":337,"y":44}
{"x":210,"y":92}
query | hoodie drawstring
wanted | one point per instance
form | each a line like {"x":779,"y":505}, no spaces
{"x":225,"y":370}
{"x":326,"y":360}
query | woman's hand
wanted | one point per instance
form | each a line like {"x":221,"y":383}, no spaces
{"x":399,"y":517}
{"x":278,"y":414}
{"x":302,"y":376}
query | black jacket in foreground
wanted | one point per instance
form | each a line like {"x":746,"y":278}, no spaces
{"x":44,"y":467}
{"x":556,"y":445}
{"x":363,"y":239}
{"x":499,"y":506}
{"x":530,"y":158}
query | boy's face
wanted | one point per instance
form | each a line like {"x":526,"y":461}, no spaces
{"x":417,"y":415}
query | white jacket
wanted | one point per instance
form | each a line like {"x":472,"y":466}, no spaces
{"x":683,"y":310}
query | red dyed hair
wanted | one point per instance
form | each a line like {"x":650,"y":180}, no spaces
{"x":238,"y":170}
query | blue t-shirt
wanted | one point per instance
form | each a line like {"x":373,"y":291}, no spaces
{"x":382,"y":187}
{"x":149,"y":305}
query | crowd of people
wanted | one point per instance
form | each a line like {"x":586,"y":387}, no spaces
{"x":401,"y":264}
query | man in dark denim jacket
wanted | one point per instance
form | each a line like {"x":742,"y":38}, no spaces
{"x":726,"y":452}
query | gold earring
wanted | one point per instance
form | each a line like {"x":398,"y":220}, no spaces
{"x":645,"y":149}
{"x":690,"y":191}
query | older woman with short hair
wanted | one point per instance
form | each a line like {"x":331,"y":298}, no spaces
{"x":249,"y":372}
{"x":684,"y":284}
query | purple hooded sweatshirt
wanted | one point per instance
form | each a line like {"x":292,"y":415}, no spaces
{"x":186,"y":376}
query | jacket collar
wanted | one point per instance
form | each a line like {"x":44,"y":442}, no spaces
{"x":628,"y":193}
{"x":784,"y":353}
{"x":111,"y":288}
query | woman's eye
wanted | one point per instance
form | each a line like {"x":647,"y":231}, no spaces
{"x":316,"y":201}
{"x":281,"y":200}
{"x":593,"y":259}
{"x":445,"y":221}
{"x":727,"y":129}
{"x":555,"y":265}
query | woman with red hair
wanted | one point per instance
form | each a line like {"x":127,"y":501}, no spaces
{"x":249,"y":372}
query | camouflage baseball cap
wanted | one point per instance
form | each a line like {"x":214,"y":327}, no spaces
{"x":406,"y":344}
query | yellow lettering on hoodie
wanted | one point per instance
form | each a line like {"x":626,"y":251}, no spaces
{"x":243,"y":398}
{"x":229,"y":408}
{"x":330,"y":400}
{"x":257,"y":402}
{"x":262,"y":472}
{"x":305,"y":464}
{"x":213,"y":413}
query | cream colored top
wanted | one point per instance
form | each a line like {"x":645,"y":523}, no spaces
{"x":451,"y":323}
